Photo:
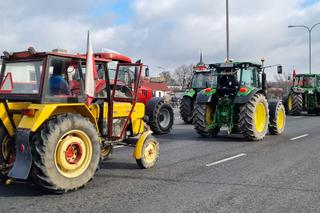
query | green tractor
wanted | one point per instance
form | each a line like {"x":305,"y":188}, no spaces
{"x":201,"y":79}
{"x":304,"y":94}
{"x":238,"y":100}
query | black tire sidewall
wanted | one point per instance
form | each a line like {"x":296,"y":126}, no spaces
{"x":169,"y":126}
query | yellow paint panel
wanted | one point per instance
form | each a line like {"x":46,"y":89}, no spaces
{"x":139,"y":145}
{"x":45,"y":111}
{"x":5,"y":120}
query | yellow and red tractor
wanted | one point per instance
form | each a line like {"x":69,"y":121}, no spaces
{"x":49,"y":134}
{"x":160,"y":113}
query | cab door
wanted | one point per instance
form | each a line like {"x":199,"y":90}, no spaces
{"x":124,"y":92}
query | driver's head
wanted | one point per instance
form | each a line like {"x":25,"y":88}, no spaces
{"x":57,"y":67}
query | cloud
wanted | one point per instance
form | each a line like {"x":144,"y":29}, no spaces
{"x":167,"y":33}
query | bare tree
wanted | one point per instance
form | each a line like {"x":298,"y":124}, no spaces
{"x":166,"y":75}
{"x":183,"y":75}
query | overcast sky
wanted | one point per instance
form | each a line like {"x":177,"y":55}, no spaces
{"x":167,"y":33}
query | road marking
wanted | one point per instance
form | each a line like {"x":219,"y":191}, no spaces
{"x":298,"y":137}
{"x":118,"y":146}
{"x":297,"y":117}
{"x":226,"y":159}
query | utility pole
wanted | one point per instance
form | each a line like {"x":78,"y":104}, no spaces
{"x":227,"y":30}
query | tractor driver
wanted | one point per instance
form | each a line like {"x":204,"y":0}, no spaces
{"x":57,"y":84}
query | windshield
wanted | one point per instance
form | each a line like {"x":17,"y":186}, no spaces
{"x":304,"y":81}
{"x":203,"y":80}
{"x":22,"y":77}
{"x":308,"y":81}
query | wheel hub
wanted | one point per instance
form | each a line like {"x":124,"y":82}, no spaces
{"x":73,"y":153}
{"x":164,"y":118}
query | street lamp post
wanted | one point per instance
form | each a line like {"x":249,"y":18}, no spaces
{"x":227,"y":30}
{"x":310,"y":31}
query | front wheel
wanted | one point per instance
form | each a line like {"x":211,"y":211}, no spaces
{"x":277,"y":120}
{"x":66,"y":153}
{"x":186,"y":109}
{"x":150,"y":153}
{"x":254,"y":118}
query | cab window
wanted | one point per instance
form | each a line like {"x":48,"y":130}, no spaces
{"x":63,"y":78}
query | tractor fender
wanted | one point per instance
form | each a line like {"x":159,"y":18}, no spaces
{"x":139,"y":145}
{"x":202,"y":98}
{"x":190,"y":93}
{"x":22,"y":164}
{"x":246,"y":99}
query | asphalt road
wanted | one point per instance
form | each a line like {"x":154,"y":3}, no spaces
{"x":225,"y":174}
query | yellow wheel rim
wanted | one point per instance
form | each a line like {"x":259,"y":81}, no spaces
{"x":5,"y":148}
{"x":73,"y":153}
{"x":260,"y":117}
{"x":280,"y":119}
{"x":105,"y":151}
{"x":290,"y":102}
{"x":150,"y":152}
{"x":209,"y":111}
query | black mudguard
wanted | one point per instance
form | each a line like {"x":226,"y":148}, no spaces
{"x":23,"y":162}
{"x":245,"y":99}
{"x":202,"y":99}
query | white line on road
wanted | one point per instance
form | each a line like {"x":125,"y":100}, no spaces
{"x":226,"y":159}
{"x":297,"y":117}
{"x":298,"y":137}
{"x":118,"y":146}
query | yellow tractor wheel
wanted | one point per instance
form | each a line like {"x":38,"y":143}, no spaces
{"x":202,"y":116}
{"x":290,"y":103}
{"x":106,"y":151}
{"x":277,"y":120}
{"x":7,"y":149}
{"x":149,"y":153}
{"x":254,"y":118}
{"x":66,"y":153}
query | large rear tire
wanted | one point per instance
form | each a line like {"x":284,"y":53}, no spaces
{"x":203,"y":118}
{"x":66,"y":153}
{"x":186,"y":109}
{"x":277,"y":121}
{"x":161,"y":116}
{"x":297,"y":103}
{"x":254,"y":118}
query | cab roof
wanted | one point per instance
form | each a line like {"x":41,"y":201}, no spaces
{"x":34,"y":55}
{"x":235,"y":64}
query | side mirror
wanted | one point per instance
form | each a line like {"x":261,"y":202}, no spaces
{"x":146,"y":72}
{"x":289,"y":78}
{"x":279,"y":69}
